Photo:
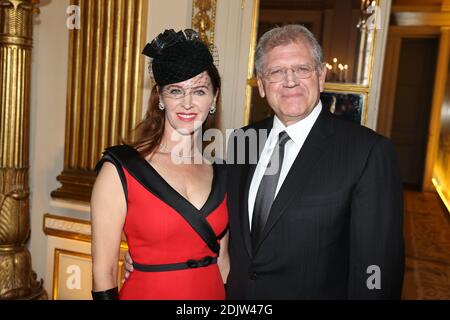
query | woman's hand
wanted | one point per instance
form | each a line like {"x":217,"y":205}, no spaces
{"x":128,"y":264}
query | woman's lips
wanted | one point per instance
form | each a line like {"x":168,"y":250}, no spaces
{"x":186,"y":117}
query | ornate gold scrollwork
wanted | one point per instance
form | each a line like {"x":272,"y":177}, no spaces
{"x":204,"y":19}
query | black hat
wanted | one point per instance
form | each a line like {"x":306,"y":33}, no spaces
{"x":177,"y":56}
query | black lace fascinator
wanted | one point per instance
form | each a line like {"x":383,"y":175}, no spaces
{"x":177,"y":56}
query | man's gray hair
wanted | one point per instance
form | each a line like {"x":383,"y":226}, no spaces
{"x":283,"y":36}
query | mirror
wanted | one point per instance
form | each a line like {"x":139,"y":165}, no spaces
{"x":346,"y":31}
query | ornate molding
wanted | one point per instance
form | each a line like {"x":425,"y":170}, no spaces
{"x":18,"y":18}
{"x":204,"y":19}
{"x":61,"y":224}
{"x":433,"y":19}
{"x":70,"y":228}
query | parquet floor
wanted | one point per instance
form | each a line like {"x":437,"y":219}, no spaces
{"x":427,"y":240}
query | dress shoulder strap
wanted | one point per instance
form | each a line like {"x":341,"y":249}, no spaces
{"x":116,"y":155}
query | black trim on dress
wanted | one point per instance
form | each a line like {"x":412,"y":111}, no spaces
{"x":107,"y":157}
{"x":130,"y":159}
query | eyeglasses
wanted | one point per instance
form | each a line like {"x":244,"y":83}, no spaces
{"x":299,"y":72}
{"x":179,"y":93}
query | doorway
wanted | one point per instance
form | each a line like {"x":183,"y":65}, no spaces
{"x":412,"y":105}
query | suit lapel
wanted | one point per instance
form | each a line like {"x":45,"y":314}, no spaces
{"x":248,"y":170}
{"x":303,"y":166}
{"x":247,"y":174}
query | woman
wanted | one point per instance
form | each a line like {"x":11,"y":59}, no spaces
{"x":172,"y":209}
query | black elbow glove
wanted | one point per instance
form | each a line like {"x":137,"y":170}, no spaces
{"x":110,"y":294}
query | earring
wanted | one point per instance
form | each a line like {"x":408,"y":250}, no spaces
{"x":213,"y":109}
{"x":161,"y":106}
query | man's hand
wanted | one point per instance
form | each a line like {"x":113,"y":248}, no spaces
{"x":128,"y":263}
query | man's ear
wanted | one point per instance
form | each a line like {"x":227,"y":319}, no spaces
{"x":261,"y":90}
{"x":322,"y":74}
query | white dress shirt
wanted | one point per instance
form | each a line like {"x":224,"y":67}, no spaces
{"x":298,"y":133}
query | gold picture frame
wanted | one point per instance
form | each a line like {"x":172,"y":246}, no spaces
{"x":73,"y":261}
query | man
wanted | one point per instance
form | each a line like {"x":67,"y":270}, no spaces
{"x":328,"y":225}
{"x":319,"y":216}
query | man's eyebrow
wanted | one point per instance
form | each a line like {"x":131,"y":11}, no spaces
{"x":291,"y":65}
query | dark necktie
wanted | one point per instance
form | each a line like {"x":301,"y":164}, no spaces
{"x":267,"y":187}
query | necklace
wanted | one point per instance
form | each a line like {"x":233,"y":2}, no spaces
{"x":167,"y":151}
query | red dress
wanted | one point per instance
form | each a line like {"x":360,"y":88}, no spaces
{"x":157,"y":234}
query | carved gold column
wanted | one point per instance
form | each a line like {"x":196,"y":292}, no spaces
{"x":105,"y":87}
{"x":17,"y":280}
{"x":204,"y":19}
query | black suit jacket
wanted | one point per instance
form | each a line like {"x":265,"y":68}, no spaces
{"x":338,"y":212}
